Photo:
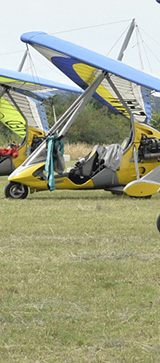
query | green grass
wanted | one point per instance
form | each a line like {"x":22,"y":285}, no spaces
{"x":80,"y":278}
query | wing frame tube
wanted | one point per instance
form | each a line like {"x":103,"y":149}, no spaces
{"x":89,"y":92}
{"x":125,"y":105}
{"x":4,"y":88}
{"x":71,"y":113}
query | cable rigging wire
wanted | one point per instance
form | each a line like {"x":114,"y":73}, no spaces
{"x":138,"y":45}
{"x":89,"y":27}
{"x":117,"y":41}
{"x":139,"y":41}
{"x":143,"y":43}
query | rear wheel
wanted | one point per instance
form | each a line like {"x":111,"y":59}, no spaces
{"x":158,"y":223}
{"x":16,"y":190}
{"x":117,"y":192}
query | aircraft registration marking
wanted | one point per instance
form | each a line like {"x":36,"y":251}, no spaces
{"x":12,"y":118}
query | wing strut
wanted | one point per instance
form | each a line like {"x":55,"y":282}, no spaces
{"x":69,"y":117}
{"x":130,"y":113}
{"x":135,"y":155}
{"x":118,"y":94}
{"x":3,"y":91}
{"x":82,"y":102}
{"x":76,"y":107}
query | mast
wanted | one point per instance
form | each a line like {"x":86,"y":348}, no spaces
{"x":23,"y":60}
{"x":127,"y":39}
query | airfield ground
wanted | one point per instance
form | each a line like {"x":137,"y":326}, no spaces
{"x":80,"y":278}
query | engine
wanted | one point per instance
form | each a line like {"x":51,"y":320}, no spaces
{"x":149,"y":148}
{"x":36,"y":142}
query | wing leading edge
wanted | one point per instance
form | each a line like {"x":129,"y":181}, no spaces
{"x":82,"y":66}
{"x":21,"y":100}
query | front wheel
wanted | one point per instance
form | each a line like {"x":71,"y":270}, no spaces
{"x":147,"y":197}
{"x":16,"y":190}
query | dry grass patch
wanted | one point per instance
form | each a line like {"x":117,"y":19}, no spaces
{"x":77,"y":150}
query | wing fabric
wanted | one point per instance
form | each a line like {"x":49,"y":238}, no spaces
{"x":12,"y":118}
{"x":82,"y":66}
{"x":31,"y":112}
{"x":28,"y":82}
{"x":21,"y":100}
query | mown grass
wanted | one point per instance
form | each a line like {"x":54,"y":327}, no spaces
{"x":80,"y":278}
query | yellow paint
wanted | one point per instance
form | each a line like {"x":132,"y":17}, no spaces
{"x":66,"y":183}
{"x":26,"y":177}
{"x":4,"y":80}
{"x":127,"y":171}
{"x":22,"y":151}
{"x":12,"y":118}
{"x":141,"y":189}
{"x":88,"y":75}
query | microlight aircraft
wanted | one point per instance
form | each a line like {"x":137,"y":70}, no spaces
{"x":132,"y":167}
{"x":22,"y":110}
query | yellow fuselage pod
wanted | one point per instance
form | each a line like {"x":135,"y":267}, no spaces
{"x":37,"y":183}
{"x":63,"y":182}
{"x":8,"y":163}
{"x":127,"y":171}
{"x":23,"y":150}
{"x":31,"y":177}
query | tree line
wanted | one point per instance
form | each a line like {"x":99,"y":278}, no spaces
{"x":96,"y":124}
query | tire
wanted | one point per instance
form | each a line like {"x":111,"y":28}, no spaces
{"x":119,"y":193}
{"x":16,"y":191}
{"x":158,"y":223}
{"x":147,"y":197}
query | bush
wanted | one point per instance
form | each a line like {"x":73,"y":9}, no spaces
{"x":7,"y":136}
{"x":95,"y":124}
{"x":156,"y":120}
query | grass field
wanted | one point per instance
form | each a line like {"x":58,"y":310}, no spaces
{"x":80,"y":278}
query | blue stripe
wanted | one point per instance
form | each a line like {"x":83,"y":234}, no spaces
{"x":23,"y":77}
{"x":91,"y":58}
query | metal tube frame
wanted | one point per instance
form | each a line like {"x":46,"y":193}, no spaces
{"x":123,"y":103}
{"x":69,"y":116}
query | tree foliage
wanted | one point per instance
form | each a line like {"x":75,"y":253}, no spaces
{"x":7,"y":136}
{"x":156,"y":120}
{"x":95,"y":124}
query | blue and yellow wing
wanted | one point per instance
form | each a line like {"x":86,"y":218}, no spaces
{"x":82,"y":66}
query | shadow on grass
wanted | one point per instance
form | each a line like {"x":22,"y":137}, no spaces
{"x":77,"y":197}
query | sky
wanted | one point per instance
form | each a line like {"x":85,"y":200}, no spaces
{"x":97,"y":25}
